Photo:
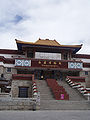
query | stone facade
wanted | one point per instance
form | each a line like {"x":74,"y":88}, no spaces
{"x":1,"y":69}
{"x":88,"y":80}
{"x":21,"y":83}
{"x":18,"y":104}
{"x":7,"y":75}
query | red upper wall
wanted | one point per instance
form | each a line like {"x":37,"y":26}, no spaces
{"x":84,"y":56}
{"x":7,"y":60}
{"x":7,"y":51}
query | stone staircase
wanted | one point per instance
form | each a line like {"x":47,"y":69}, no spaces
{"x":47,"y":101}
{"x":74,"y":95}
{"x":45,"y":92}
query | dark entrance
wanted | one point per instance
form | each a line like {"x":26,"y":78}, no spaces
{"x":52,"y":74}
{"x":48,"y":74}
{"x":23,"y":92}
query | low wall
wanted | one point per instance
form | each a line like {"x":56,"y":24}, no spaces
{"x":18,"y":104}
{"x":4,"y":95}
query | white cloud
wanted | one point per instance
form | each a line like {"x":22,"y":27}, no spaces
{"x":67,"y":21}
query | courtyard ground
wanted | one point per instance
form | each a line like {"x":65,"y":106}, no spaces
{"x":46,"y":115}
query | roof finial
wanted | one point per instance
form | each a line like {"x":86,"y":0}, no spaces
{"x":15,"y":39}
{"x":47,"y":39}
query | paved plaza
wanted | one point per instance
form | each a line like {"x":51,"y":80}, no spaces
{"x":45,"y":115}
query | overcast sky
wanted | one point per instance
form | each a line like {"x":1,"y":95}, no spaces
{"x":67,"y":21}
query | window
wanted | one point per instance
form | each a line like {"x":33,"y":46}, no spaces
{"x":8,"y":69}
{"x":30,"y":54}
{"x":23,"y":92}
{"x":65,"y":56}
{"x":86,"y":72}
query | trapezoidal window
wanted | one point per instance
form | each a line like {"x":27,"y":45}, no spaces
{"x":30,"y":54}
{"x":65,"y":56}
{"x":23,"y":92}
{"x":8,"y":69}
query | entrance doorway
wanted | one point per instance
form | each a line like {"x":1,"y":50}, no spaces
{"x":47,"y":74}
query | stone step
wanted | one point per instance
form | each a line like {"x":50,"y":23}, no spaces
{"x":45,"y":98}
{"x":45,"y":92}
{"x":46,"y":95}
{"x":64,"y":105}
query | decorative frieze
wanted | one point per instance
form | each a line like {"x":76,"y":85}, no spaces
{"x":22,"y":62}
{"x":60,"y":64}
{"x":75,"y":65}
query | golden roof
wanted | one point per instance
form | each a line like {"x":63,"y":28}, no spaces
{"x":46,"y":42}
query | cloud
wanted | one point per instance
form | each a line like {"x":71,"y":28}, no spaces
{"x":67,"y":21}
{"x":17,"y":19}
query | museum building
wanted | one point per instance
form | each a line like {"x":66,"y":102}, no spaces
{"x":40,"y":60}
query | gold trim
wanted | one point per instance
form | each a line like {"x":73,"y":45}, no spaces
{"x":23,"y":42}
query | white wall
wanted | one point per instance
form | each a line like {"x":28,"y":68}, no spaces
{"x":84,"y":60}
{"x":7,"y":65}
{"x":43,"y":55}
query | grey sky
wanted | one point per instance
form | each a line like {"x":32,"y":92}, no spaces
{"x":67,"y":21}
